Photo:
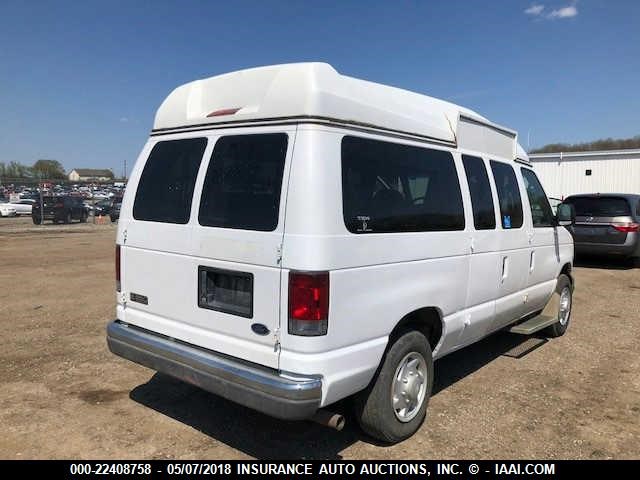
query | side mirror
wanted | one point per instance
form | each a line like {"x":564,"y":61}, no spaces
{"x":566,"y":214}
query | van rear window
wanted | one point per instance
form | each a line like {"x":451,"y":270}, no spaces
{"x":244,"y":181}
{"x":166,"y":185}
{"x":389,"y":187}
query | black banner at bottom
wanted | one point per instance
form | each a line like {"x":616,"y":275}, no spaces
{"x":437,"y":469}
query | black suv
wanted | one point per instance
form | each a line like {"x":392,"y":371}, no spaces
{"x":59,"y":209}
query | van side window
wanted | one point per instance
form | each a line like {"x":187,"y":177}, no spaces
{"x":388,"y":187}
{"x":540,"y":209}
{"x":165,"y":189}
{"x":484,"y":216}
{"x":508,"y":195}
{"x":243,"y":183}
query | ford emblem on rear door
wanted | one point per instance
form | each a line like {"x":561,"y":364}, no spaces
{"x":260,"y":329}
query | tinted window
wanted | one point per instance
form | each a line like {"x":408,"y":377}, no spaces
{"x":600,"y":206}
{"x":484,"y":217}
{"x":508,"y":195}
{"x":243,"y":183}
{"x":388,"y":187}
{"x":166,"y":185}
{"x":540,"y":209}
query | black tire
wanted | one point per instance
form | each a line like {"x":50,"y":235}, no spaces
{"x":68,"y":218}
{"x":559,"y":328}
{"x":374,"y":406}
{"x":83,"y":217}
{"x":633,"y":261}
{"x":36,"y":220}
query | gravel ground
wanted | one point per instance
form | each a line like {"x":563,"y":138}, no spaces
{"x":65,"y":396}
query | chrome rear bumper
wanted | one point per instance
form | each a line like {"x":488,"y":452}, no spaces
{"x":279,"y":394}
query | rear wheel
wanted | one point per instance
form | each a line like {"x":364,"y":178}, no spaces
{"x":633,"y":261}
{"x":564,"y":298}
{"x":83,"y":217}
{"x":36,"y":220}
{"x":68,"y":218}
{"x":394,"y":405}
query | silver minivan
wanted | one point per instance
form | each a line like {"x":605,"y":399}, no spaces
{"x":606,"y":224}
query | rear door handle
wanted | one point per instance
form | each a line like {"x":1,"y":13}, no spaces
{"x":532,"y":261}
{"x":505,"y":269}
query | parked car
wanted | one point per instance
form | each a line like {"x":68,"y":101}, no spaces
{"x":399,"y":246}
{"x":59,"y":209}
{"x":7,"y":210}
{"x":99,"y":195}
{"x":23,"y":206}
{"x":102,"y":207}
{"x":606,"y":224}
{"x":115,"y":210}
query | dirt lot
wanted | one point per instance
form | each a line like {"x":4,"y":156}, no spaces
{"x":65,"y":396}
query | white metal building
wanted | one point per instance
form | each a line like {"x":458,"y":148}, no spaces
{"x":566,"y":173}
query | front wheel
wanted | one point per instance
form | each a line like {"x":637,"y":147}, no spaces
{"x":68,"y":218}
{"x":563,"y":297}
{"x":394,"y":405}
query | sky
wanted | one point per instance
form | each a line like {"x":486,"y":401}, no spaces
{"x":80,"y":81}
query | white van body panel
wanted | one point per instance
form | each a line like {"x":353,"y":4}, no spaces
{"x":161,"y":261}
{"x":304,"y":90}
{"x":368,"y":272}
{"x":475,"y":282}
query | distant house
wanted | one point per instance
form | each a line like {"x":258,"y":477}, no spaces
{"x":90,"y":174}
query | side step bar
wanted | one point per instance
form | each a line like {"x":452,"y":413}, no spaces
{"x":533,"y":324}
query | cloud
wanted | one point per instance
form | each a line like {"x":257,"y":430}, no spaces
{"x":534,"y":10}
{"x":564,"y":12}
{"x":124,"y":119}
{"x":537,"y":10}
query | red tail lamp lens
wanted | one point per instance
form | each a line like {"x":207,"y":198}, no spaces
{"x":308,"y":303}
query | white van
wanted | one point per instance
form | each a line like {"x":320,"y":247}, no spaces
{"x":291,"y":237}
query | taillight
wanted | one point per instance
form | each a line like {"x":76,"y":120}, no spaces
{"x":308,"y":303}
{"x":117,"y":268}
{"x":59,"y":205}
{"x":626,"y":227}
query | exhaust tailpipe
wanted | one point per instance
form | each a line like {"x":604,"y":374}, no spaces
{"x":329,"y":419}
